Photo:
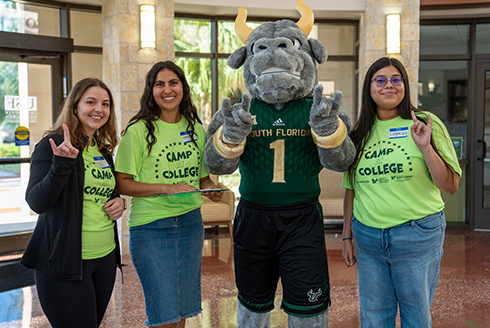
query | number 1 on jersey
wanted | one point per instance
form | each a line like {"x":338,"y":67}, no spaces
{"x":278,"y":147}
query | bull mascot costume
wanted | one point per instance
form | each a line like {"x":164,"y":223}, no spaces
{"x":280,"y":136}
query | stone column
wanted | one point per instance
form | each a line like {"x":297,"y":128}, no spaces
{"x":372,"y":38}
{"x":125,"y":64}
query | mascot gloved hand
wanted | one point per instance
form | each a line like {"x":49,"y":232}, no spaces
{"x":226,"y":135}
{"x":324,"y":113}
{"x":237,"y":120}
{"x":330,"y":126}
{"x":280,"y":136}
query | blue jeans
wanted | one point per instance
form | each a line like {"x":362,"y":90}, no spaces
{"x":398,"y":267}
{"x":167,"y":256}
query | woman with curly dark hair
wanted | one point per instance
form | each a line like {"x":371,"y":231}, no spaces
{"x":160,"y":163}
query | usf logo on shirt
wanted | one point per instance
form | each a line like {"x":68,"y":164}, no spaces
{"x":385,"y":161}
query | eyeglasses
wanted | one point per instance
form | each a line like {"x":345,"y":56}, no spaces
{"x":382,"y":81}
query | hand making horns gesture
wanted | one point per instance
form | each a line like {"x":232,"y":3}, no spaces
{"x":421,"y":132}
{"x":65,"y":149}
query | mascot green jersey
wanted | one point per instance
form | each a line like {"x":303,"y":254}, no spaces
{"x":281,"y":134}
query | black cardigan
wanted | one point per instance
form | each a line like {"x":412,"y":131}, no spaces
{"x":55,"y":192}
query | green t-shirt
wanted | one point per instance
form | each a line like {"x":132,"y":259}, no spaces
{"x":392,"y":181}
{"x":280,"y":164}
{"x":173,"y":159}
{"x":97,"y":227}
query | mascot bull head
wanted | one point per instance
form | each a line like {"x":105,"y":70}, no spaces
{"x":280,"y":62}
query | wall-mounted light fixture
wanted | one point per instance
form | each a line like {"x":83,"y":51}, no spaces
{"x":147,"y":26}
{"x":431,"y":86}
{"x":393,"y":33}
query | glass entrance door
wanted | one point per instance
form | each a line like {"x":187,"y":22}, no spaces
{"x":26,"y":111}
{"x":481,"y":146}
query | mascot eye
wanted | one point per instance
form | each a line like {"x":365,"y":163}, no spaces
{"x":252,"y":47}
{"x":296,"y":44}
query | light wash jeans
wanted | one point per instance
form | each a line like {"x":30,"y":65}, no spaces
{"x":398,"y":267}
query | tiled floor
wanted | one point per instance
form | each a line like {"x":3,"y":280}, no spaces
{"x":462,"y":298}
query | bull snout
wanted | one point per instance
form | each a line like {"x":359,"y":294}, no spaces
{"x":272,"y":45}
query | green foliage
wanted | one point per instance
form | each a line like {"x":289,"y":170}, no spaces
{"x":9,"y":150}
{"x":228,"y":41}
{"x":194,"y":36}
{"x":12,"y":168}
{"x":198,"y":75}
{"x":9,"y":24}
{"x":9,"y":85}
{"x":230,"y":82}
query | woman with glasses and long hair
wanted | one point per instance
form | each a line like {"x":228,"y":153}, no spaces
{"x":160,"y":163}
{"x":393,"y":210}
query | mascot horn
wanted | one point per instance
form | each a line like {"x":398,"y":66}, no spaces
{"x":280,"y":136}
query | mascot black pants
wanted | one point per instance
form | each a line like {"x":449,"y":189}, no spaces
{"x":286,"y":242}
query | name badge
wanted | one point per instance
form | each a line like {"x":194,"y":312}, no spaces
{"x":397,"y":133}
{"x":186,"y":137}
{"x":100,"y":161}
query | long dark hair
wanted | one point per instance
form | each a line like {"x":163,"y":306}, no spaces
{"x":105,"y":136}
{"x":150,"y":111}
{"x":362,"y":128}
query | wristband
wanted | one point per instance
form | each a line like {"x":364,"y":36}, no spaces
{"x":348,"y":238}
{"x":224,"y":150}
{"x":332,"y":141}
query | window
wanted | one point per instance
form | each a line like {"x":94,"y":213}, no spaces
{"x":29,"y":19}
{"x":205,"y":62}
{"x":32,"y":84}
{"x":483,"y":39}
{"x":207,"y":71}
{"x":443,"y":89}
{"x":444,"y":39}
{"x":198,"y":75}
{"x":86,"y":32}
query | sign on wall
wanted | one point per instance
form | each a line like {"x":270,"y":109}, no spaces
{"x":15,"y":104}
{"x":22,"y":136}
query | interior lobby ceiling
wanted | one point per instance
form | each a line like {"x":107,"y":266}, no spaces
{"x":325,"y":14}
{"x":232,"y":11}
